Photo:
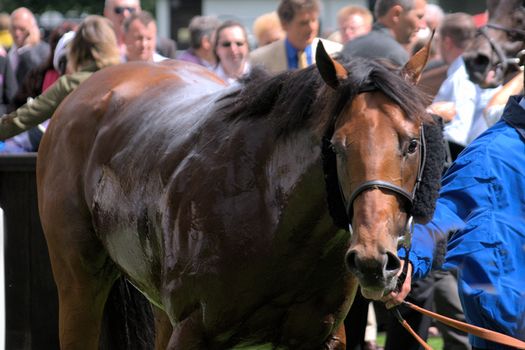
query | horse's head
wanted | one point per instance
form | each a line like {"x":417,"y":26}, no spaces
{"x":498,"y":47}
{"x":378,"y":141}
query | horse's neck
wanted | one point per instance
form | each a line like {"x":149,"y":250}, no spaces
{"x":292,"y":159}
{"x":296,"y":182}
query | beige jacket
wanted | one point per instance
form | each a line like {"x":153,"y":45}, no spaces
{"x":273,"y":56}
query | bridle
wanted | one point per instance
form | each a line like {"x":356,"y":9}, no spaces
{"x":405,"y":239}
{"x":505,"y":61}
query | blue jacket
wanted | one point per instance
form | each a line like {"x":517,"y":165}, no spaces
{"x":481,"y":211}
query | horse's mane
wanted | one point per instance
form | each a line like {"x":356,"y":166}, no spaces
{"x":295,"y":99}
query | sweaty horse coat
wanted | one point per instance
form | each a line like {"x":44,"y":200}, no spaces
{"x":216,"y":208}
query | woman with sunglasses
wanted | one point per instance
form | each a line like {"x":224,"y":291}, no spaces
{"x":231,"y":51}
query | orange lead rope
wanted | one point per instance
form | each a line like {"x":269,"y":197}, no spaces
{"x":474,"y":330}
{"x":410,"y":330}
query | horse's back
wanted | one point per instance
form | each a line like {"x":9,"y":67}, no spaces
{"x":118,"y":103}
{"x":102,"y":100}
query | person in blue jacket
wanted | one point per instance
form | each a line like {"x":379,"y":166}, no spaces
{"x":481,"y":214}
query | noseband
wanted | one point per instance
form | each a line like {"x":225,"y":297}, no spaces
{"x":517,"y":34}
{"x":405,"y":239}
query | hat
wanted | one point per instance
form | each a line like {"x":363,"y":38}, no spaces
{"x":62,"y":49}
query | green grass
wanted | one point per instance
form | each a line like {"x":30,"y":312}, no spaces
{"x":435,"y":342}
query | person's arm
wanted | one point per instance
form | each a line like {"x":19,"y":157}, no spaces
{"x":466,"y":193}
{"x":444,"y":109}
{"x":421,"y":256}
{"x":426,"y":237}
{"x":494,"y":108}
{"x":37,"y":110}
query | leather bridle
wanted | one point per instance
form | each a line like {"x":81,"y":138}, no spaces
{"x":406,"y":237}
{"x":505,"y":61}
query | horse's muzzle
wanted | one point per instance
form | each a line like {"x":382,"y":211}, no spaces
{"x":376,"y":274}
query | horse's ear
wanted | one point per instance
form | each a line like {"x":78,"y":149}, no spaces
{"x":331,"y":71}
{"x":414,"y":67}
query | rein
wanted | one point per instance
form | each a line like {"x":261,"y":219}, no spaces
{"x":513,"y":32}
{"x":465,"y":327}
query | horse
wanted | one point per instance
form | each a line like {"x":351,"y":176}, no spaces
{"x":248,"y":215}
{"x":498,"y":49}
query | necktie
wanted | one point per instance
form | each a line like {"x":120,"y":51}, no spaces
{"x":301,"y":59}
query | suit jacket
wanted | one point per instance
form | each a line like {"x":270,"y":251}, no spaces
{"x":31,"y":58}
{"x":273,"y":56}
{"x":378,"y":43}
{"x":166,"y":47}
{"x":8,"y":84}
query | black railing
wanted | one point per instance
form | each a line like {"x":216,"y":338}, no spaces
{"x":30,"y":293}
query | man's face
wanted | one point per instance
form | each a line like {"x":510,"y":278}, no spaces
{"x":410,"y":22}
{"x":140,"y":41}
{"x":118,"y":10}
{"x":21,"y":27}
{"x":352,"y":27}
{"x":302,"y":29}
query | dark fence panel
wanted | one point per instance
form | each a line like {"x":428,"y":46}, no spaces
{"x":30,"y":292}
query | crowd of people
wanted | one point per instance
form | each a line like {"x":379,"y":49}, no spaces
{"x":481,"y":208}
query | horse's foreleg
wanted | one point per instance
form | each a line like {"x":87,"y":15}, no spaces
{"x":189,"y":334}
{"x":337,"y":340}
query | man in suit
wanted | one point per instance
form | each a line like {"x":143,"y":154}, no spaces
{"x":300,"y":21}
{"x":397,"y":23}
{"x":7,"y":84}
{"x":118,"y":10}
{"x":28,"y":51}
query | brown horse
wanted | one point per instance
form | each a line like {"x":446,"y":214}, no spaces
{"x":499,"y":46}
{"x":221,"y":205}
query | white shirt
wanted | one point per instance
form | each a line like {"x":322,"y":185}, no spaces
{"x":222,"y":74}
{"x":458,"y":88}
{"x":479,"y":124}
{"x":157,"y":57}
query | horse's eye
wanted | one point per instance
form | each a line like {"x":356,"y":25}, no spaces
{"x":412,"y":146}
{"x":338,"y":146}
{"x":333,"y":148}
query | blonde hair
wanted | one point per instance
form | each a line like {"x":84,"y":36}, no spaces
{"x":95,"y":42}
{"x":265,"y":22}
{"x":350,"y":10}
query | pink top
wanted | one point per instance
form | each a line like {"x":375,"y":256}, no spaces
{"x":49,"y":78}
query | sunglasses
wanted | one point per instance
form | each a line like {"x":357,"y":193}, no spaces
{"x":120,"y":9}
{"x":230,"y":43}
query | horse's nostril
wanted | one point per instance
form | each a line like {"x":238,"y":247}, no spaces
{"x":392,"y":263}
{"x":481,"y":60}
{"x":350,"y":260}
{"x":477,"y":63}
